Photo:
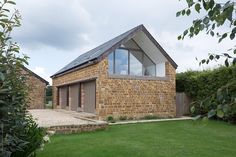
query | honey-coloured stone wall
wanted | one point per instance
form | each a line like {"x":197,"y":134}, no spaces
{"x":125,"y":96}
{"x":36,"y":90}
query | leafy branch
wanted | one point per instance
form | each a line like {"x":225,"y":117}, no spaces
{"x":217,"y":15}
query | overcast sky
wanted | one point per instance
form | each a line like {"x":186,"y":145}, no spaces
{"x":54,"y":32}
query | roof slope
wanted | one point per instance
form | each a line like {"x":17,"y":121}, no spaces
{"x":109,"y":46}
{"x":34,"y":74}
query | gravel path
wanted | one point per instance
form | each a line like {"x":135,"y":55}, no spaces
{"x":49,"y":117}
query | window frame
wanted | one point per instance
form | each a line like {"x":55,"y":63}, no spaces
{"x":128,"y":51}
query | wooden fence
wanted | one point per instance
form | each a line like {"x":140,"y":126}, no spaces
{"x":182,"y":104}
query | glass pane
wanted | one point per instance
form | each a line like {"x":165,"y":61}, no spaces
{"x":136,"y":63}
{"x":121,"y":62}
{"x":149,"y":67}
{"x":110,"y":63}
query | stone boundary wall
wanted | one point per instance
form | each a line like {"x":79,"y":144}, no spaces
{"x":70,"y":129}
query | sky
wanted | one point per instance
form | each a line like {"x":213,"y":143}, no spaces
{"x":55,"y":32}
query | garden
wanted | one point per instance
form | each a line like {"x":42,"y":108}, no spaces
{"x":166,"y":139}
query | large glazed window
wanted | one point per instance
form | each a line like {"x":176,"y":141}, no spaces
{"x":136,"y":66}
{"x":149,"y":68}
{"x":121,"y":62}
{"x":130,"y":62}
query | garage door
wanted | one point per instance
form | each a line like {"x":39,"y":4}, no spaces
{"x":63,"y":97}
{"x":74,"y":97}
{"x":89,"y":95}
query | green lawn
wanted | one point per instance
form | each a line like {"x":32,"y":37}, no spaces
{"x":161,"y":139}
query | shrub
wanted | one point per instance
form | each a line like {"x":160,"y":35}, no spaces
{"x":213,"y":92}
{"x":220,"y":105}
{"x":198,"y":85}
{"x":147,"y":117}
{"x":20,"y":135}
{"x":110,"y":119}
{"x":122,"y":118}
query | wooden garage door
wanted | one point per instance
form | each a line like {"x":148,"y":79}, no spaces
{"x":89,"y":95}
{"x":74,"y":97}
{"x":63,"y":97}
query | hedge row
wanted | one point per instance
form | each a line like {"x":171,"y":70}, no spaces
{"x":200,"y":84}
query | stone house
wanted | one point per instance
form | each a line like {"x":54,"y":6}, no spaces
{"x":37,"y":89}
{"x":130,"y":75}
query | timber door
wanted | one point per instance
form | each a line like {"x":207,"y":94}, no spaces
{"x":74,"y":97}
{"x":63,"y":97}
{"x":89,"y":96}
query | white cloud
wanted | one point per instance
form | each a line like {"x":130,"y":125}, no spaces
{"x":42,"y":73}
{"x":53,"y":32}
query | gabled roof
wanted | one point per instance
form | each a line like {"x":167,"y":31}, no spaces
{"x":37,"y":76}
{"x":96,"y":54}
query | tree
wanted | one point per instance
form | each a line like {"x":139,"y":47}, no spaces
{"x":20,"y":135}
{"x":216,"y":16}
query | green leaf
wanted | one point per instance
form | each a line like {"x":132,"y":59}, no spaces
{"x":206,"y":20}
{"x":183,"y":12}
{"x":191,"y":29}
{"x":213,"y":26}
{"x":234,"y":30}
{"x":188,"y":12}
{"x":211,"y":113}
{"x":235,"y":51}
{"x":232,"y":35}
{"x":11,"y":2}
{"x":212,"y":33}
{"x":211,"y":57}
{"x":197,"y":117}
{"x":197,"y":7}
{"x":211,"y":3}
{"x":210,"y":13}
{"x":203,"y":61}
{"x":179,"y":37}
{"x":190,"y":3}
{"x":178,"y":14}
{"x":217,"y":57}
{"x":234,"y":61}
{"x":192,"y":109}
{"x":220,"y":113}
{"x":2,"y":77}
{"x":185,"y":32}
{"x":222,"y":37}
{"x":226,"y":63}
{"x":205,"y":5}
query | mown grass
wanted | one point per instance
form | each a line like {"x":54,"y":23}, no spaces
{"x":160,"y":139}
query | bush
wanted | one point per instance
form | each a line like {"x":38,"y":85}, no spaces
{"x":20,"y":135}
{"x":147,"y":117}
{"x":110,"y":119}
{"x":220,"y":105}
{"x":198,"y":85}
{"x":122,"y":118}
{"x":213,"y":92}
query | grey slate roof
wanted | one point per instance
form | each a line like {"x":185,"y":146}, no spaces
{"x":107,"y":47}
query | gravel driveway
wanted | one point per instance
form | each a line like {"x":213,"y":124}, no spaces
{"x":49,"y":118}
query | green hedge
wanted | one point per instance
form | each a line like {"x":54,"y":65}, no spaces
{"x":213,"y":92}
{"x":200,"y":84}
